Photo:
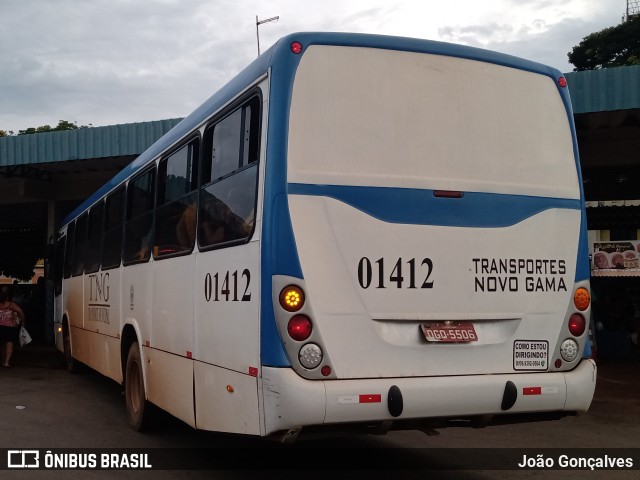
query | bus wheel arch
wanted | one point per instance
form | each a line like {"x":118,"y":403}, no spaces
{"x":128,"y":336}
{"x":139,"y":410}
{"x":73,"y":365}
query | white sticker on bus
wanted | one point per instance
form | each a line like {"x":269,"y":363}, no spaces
{"x":530,"y":355}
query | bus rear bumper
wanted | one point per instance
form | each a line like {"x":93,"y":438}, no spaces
{"x":292,"y":402}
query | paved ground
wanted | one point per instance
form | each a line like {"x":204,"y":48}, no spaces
{"x":87,"y":411}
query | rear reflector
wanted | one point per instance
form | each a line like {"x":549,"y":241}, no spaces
{"x":532,"y":391}
{"x":364,"y":398}
{"x":370,"y":398}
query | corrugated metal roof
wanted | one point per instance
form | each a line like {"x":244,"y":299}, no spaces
{"x":605,"y":89}
{"x":83,"y":143}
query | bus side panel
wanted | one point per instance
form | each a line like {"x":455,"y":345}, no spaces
{"x":226,"y":401}
{"x":227,"y":301}
{"x":113,"y":365}
{"x":169,"y":368}
{"x":113,"y":296}
{"x":136,"y":288}
{"x":58,"y":309}
{"x":91,"y":348}
{"x":227,"y":338}
{"x":102,"y":320}
{"x":172,"y":307}
{"x":170,"y":383}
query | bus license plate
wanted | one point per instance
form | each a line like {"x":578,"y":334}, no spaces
{"x":449,"y":332}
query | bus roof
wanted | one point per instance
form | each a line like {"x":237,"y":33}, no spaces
{"x":278,"y":56}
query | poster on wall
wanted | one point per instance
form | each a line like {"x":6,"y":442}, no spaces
{"x":616,"y":258}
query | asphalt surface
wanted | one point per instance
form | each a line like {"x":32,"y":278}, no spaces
{"x":43,"y":406}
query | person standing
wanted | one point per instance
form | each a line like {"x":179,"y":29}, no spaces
{"x":11,"y":317}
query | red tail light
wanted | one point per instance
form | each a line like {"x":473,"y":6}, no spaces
{"x":577,"y":324}
{"x":299,"y":327}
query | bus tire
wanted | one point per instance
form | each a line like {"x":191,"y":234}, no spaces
{"x":73,"y":365}
{"x":138,"y":409}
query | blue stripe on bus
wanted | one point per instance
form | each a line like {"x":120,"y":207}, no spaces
{"x":421,"y":207}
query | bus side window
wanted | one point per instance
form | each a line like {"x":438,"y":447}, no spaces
{"x":139,"y":222}
{"x":93,"y":248}
{"x":175,"y":222}
{"x":58,"y":270}
{"x":112,"y":238}
{"x":79,"y":245}
{"x":68,"y":256}
{"x":230,"y":174}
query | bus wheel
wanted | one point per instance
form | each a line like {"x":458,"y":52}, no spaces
{"x":138,"y":411}
{"x":73,"y":365}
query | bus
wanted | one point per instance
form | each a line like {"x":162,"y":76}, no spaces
{"x":357,"y":231}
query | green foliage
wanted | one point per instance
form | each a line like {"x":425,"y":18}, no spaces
{"x":62,"y":126}
{"x":611,"y":47}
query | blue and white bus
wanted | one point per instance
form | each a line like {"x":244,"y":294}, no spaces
{"x":357,"y":230}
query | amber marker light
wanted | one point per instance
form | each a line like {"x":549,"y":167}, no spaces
{"x":292,"y":298}
{"x":581,"y":299}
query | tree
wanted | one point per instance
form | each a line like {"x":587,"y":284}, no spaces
{"x":62,"y":126}
{"x":19,"y":251}
{"x":611,"y":47}
{"x":17,"y":261}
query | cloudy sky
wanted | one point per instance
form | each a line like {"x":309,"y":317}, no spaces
{"x":105,"y":62}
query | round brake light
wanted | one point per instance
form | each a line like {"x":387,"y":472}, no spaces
{"x":299,"y":327}
{"x":577,"y":324}
{"x":296,"y":47}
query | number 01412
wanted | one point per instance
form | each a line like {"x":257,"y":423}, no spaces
{"x":400,"y":273}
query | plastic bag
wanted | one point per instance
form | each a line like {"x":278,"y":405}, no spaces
{"x":24,"y":336}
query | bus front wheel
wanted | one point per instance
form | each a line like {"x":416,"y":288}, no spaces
{"x":138,"y":409}
{"x":73,"y":365}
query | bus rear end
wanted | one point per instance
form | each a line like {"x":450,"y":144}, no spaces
{"x":437,"y":217}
